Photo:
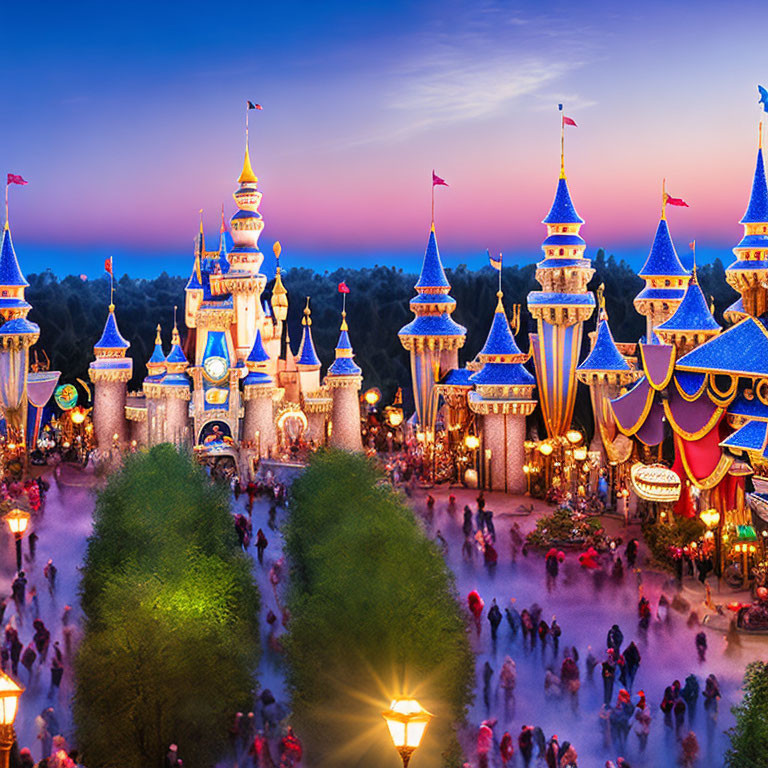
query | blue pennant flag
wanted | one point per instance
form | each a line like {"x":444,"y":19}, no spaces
{"x":763,"y":97}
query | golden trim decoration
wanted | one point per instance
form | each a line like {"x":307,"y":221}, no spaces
{"x":705,"y":430}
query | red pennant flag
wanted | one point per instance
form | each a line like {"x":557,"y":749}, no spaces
{"x":251,"y":105}
{"x":569,"y":121}
{"x":108,"y":265}
{"x":343,"y":287}
{"x":437,"y":181}
{"x":14,"y":179}
{"x":677,"y":201}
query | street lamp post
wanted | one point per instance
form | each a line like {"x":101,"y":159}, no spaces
{"x":18,"y":520}
{"x":711,"y":518}
{"x":407,"y":720}
{"x":10,"y":691}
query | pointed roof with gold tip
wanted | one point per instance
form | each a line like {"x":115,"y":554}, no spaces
{"x":307,"y":356}
{"x":247,"y":176}
{"x":156,"y":363}
{"x":344,"y":364}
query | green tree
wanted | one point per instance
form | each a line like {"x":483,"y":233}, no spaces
{"x":374,"y":614}
{"x":171,"y":636}
{"x":749,"y":737}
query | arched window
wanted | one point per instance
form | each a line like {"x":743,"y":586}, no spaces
{"x":562,"y":251}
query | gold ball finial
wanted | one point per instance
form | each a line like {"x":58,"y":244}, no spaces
{"x":307,"y":320}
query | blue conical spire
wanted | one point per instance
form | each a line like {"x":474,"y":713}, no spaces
{"x":307,"y":354}
{"x":111,"y":338}
{"x":10,"y":272}
{"x":562,"y":210}
{"x":604,"y":355}
{"x":258,"y":354}
{"x":693,"y":313}
{"x":344,"y":365}
{"x":757,"y":210}
{"x":663,"y":260}
{"x":500,"y":340}
{"x":158,"y":356}
{"x":432,"y":272}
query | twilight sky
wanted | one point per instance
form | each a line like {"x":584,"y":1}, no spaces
{"x":128,"y":118}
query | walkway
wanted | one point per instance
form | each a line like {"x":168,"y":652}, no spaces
{"x":585,"y":610}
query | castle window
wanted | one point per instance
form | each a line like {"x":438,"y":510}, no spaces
{"x":667,"y":283}
{"x":562,"y":251}
{"x":5,"y":293}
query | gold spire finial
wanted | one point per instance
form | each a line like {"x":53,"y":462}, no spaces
{"x":600,"y":293}
{"x":223,"y":225}
{"x":344,"y":326}
{"x":307,"y":319}
{"x":247,"y":176}
{"x":158,"y":338}
{"x":175,"y":338}
{"x":663,"y":199}
{"x":516,"y":318}
{"x":499,"y":303}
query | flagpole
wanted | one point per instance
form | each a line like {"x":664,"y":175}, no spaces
{"x":562,"y":144}
{"x":6,"y":206}
{"x":433,"y":199}
{"x":501,"y":264}
{"x":246,"y":125}
{"x":663,"y":198}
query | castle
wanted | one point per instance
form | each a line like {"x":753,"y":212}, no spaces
{"x":233,"y":387}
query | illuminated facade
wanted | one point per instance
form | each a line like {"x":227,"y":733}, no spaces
{"x":233,"y":383}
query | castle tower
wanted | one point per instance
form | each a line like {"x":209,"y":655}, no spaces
{"x":110,"y":373}
{"x":175,"y":391}
{"x":194,"y":288}
{"x":155,"y":406}
{"x":665,"y":279}
{"x":749,"y":273}
{"x":17,"y":335}
{"x":307,"y":361}
{"x":258,"y":392}
{"x":243,"y":280}
{"x":433,"y":338}
{"x":12,"y":281}
{"x":692,"y":324}
{"x":503,"y":398}
{"x":344,"y":379}
{"x":560,"y":309}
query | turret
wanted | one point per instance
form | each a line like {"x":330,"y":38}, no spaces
{"x":503,"y":398}
{"x":344,"y":379}
{"x":560,"y":309}
{"x":175,"y":390}
{"x":258,"y":393}
{"x":307,"y":361}
{"x":433,"y":338}
{"x":110,"y":373}
{"x":152,"y":428}
{"x":749,"y":273}
{"x":665,"y":279}
{"x":12,"y":281}
{"x":194,"y":287}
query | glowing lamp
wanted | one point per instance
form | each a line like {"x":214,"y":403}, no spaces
{"x":115,"y":437}
{"x":545,"y":449}
{"x":395,"y":417}
{"x":580,"y":453}
{"x":407,"y":720}
{"x":372,"y":396}
{"x":573,"y":436}
{"x":77,"y":415}
{"x":472,"y":442}
{"x":10,"y":691}
{"x":710,"y":518}
{"x":18,"y":520}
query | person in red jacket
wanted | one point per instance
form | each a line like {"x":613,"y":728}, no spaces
{"x":476,"y":605}
{"x":506,"y":748}
{"x":290,"y":749}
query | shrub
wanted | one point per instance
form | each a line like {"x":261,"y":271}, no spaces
{"x":749,"y":737}
{"x":171,"y":633}
{"x":373,"y":615}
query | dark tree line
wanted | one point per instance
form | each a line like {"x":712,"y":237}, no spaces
{"x":71,"y":313}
